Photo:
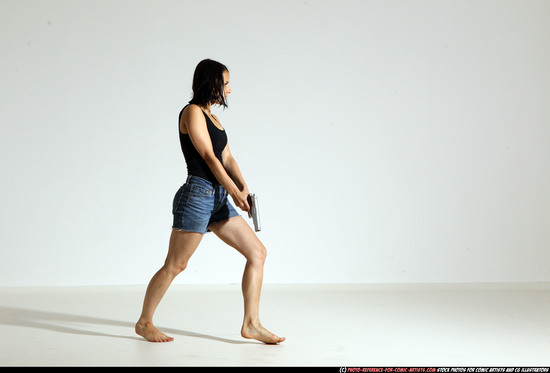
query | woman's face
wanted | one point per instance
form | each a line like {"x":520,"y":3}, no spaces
{"x":226,"y":87}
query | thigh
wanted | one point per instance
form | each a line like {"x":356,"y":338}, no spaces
{"x":182,"y":246}
{"x":237,"y":233}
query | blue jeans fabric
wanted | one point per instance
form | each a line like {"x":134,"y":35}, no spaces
{"x":198,"y":204}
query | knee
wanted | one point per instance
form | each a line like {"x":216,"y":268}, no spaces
{"x":258,"y":255}
{"x":174,"y":269}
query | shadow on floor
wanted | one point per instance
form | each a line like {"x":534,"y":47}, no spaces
{"x":56,"y":322}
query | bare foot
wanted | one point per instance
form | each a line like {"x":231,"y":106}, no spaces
{"x":152,"y":334}
{"x":259,"y":333}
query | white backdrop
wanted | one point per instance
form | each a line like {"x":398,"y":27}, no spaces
{"x":388,"y":141}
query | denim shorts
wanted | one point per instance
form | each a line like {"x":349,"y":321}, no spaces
{"x":198,"y":204}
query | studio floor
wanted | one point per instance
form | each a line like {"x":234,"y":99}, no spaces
{"x":324,"y":325}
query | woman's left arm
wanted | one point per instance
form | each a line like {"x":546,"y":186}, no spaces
{"x":233,"y":170}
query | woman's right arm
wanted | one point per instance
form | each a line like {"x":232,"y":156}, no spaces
{"x":194,"y":123}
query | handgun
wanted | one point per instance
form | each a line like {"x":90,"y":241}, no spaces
{"x":254,"y":211}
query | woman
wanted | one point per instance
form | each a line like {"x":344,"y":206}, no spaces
{"x":201,"y":205}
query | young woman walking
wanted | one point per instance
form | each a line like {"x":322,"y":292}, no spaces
{"x":202,"y":205}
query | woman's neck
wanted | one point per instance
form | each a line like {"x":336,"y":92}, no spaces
{"x":207,"y":108}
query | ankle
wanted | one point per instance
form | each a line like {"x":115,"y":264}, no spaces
{"x":144,"y":322}
{"x":252,"y":322}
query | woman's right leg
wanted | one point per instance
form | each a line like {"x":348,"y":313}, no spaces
{"x":182,"y":245}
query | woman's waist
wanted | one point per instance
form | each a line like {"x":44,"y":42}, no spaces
{"x":192,"y":179}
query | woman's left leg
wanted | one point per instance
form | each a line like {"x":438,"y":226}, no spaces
{"x":237,"y":233}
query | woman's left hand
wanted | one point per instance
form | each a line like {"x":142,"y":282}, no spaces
{"x":241,"y":200}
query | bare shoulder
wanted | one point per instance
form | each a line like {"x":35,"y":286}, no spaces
{"x":191,"y":111}
{"x":192,"y":115}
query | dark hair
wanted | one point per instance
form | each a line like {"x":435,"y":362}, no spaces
{"x":208,"y":84}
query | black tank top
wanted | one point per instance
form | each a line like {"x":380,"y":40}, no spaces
{"x":196,"y":165}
